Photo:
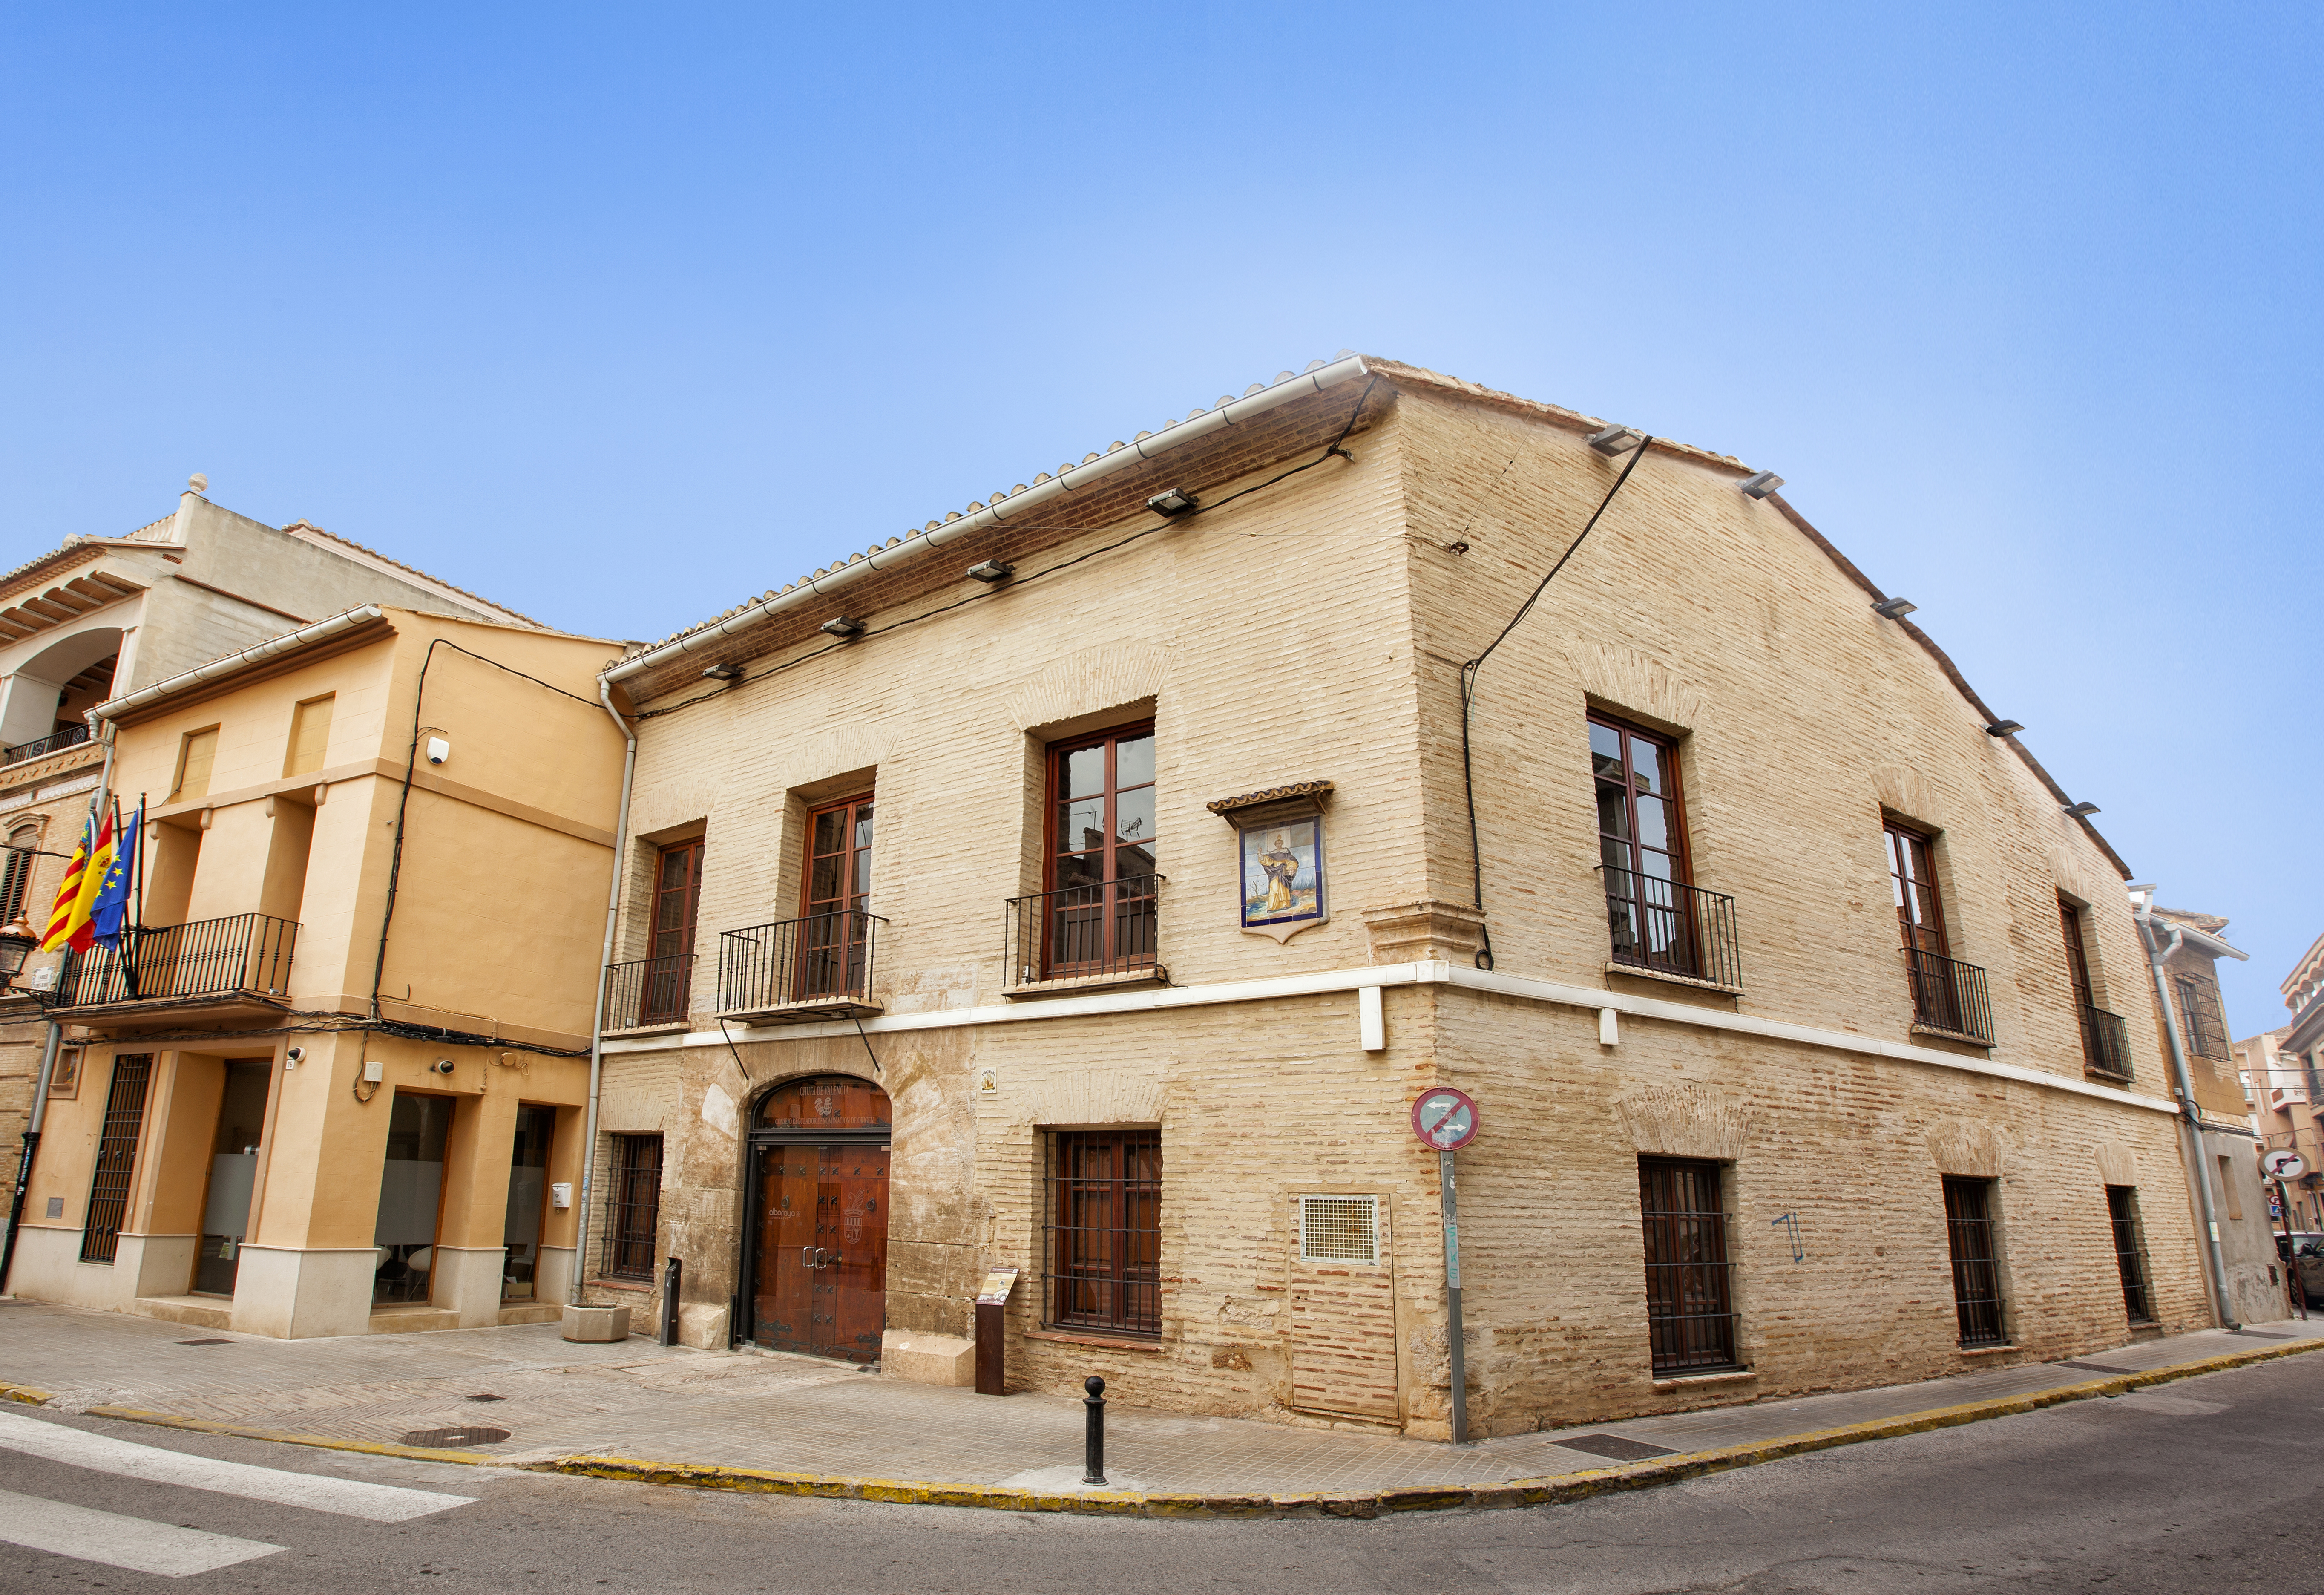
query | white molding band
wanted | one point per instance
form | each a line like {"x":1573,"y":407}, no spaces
{"x":1401,"y":974}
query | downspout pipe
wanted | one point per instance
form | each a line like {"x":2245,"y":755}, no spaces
{"x":39,"y":1117}
{"x":1001,"y":511}
{"x":605,"y":968}
{"x":2182,"y":1086}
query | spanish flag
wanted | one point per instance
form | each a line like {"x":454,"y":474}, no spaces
{"x":69,"y":920}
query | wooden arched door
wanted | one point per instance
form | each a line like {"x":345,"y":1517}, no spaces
{"x":819,"y":1201}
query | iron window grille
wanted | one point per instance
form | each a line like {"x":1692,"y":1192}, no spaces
{"x":819,"y":958}
{"x":70,"y":737}
{"x":117,"y":1157}
{"x":1949,"y":995}
{"x":1969,"y":1232}
{"x":1100,"y":928}
{"x":1104,"y":1240}
{"x":2200,"y":1017}
{"x":207,"y":958}
{"x":648,"y":991}
{"x":1671,"y":927}
{"x":1690,"y":1285}
{"x":2106,"y":1045}
{"x":2130,"y":1252}
{"x":633,"y":1208}
{"x":1339,"y":1229}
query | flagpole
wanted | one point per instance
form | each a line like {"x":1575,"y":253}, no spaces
{"x":125,"y":948}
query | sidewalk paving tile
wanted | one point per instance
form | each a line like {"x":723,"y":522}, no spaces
{"x":759,"y":1410}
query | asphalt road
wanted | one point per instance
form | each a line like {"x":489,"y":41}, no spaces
{"x":2205,"y":1485}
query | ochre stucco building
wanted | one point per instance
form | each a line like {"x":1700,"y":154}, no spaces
{"x":1083,"y":884}
{"x":100,"y":617}
{"x":273,"y":1123}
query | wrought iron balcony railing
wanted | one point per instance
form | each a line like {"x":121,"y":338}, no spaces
{"x":70,"y":736}
{"x":821,"y":959}
{"x":2106,"y":1044}
{"x":648,"y":991}
{"x":1949,"y":995}
{"x":245,"y":953}
{"x":1671,"y":928}
{"x":1108,"y":927}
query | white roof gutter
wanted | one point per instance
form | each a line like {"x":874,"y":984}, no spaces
{"x":1000,"y":511}
{"x":273,"y":647}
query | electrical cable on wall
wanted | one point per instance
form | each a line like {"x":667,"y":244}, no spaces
{"x":1469,"y":672}
{"x":412,"y":768}
{"x":1330,"y":450}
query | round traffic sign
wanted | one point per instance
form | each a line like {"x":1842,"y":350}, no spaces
{"x":1445,"y":1119}
{"x":2283,"y":1166}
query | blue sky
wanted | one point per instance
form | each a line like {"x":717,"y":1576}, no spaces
{"x":618,"y":314}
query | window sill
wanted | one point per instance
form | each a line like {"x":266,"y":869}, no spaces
{"x":1687,"y":1381}
{"x":1074,"y":985}
{"x":1962,"y":1037}
{"x":1111,"y":1342}
{"x":1986,"y":1350}
{"x":665,"y":1027}
{"x":2108,"y":1077}
{"x":642,"y":1287}
{"x":806,"y":1011}
{"x":1640,"y":972}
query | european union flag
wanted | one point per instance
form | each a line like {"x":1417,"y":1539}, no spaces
{"x":109,"y":914}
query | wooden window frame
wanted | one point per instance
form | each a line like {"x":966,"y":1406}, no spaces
{"x":16,"y":873}
{"x":1899,"y":840}
{"x":632,"y":1246}
{"x":2129,"y":1230}
{"x":1973,"y":1244}
{"x":834,"y":939}
{"x":1647,"y":927}
{"x":668,"y":986}
{"x":1113,"y":1286}
{"x":1113,"y":922}
{"x":1691,"y":1323}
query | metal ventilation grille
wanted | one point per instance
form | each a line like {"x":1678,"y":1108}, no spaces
{"x":1339,"y":1229}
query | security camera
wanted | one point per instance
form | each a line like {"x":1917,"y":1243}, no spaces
{"x":438,"y":750}
{"x":294,"y":1056}
{"x":440,"y":1066}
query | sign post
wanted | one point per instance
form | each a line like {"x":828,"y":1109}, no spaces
{"x":1447,"y":1119}
{"x":2280,"y":1166}
{"x":991,"y":1302}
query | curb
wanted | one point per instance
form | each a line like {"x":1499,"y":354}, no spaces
{"x":1548,"y":1490}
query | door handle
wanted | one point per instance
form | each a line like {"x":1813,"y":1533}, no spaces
{"x":808,"y":1256}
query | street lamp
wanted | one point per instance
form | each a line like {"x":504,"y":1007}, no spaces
{"x":17,"y":943}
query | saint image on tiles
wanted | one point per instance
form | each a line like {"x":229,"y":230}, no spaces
{"x":1283,"y":873}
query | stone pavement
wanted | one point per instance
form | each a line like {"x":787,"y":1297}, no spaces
{"x":801,"y":1416}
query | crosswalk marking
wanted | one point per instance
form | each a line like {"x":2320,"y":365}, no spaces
{"x":87,"y":1535}
{"x":348,"y":1498}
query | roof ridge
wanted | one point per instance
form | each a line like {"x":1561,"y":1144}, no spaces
{"x":307,"y":525}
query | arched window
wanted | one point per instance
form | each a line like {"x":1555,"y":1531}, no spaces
{"x":16,"y":872}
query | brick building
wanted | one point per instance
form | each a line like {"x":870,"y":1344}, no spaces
{"x":1084,"y":883}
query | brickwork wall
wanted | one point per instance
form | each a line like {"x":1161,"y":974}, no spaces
{"x":1315,"y":631}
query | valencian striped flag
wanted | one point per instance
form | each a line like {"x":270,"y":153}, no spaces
{"x":109,"y":913}
{"x":69,"y":925}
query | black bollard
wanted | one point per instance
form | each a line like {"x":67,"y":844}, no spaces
{"x":671,"y":1279}
{"x":1093,"y":1439}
